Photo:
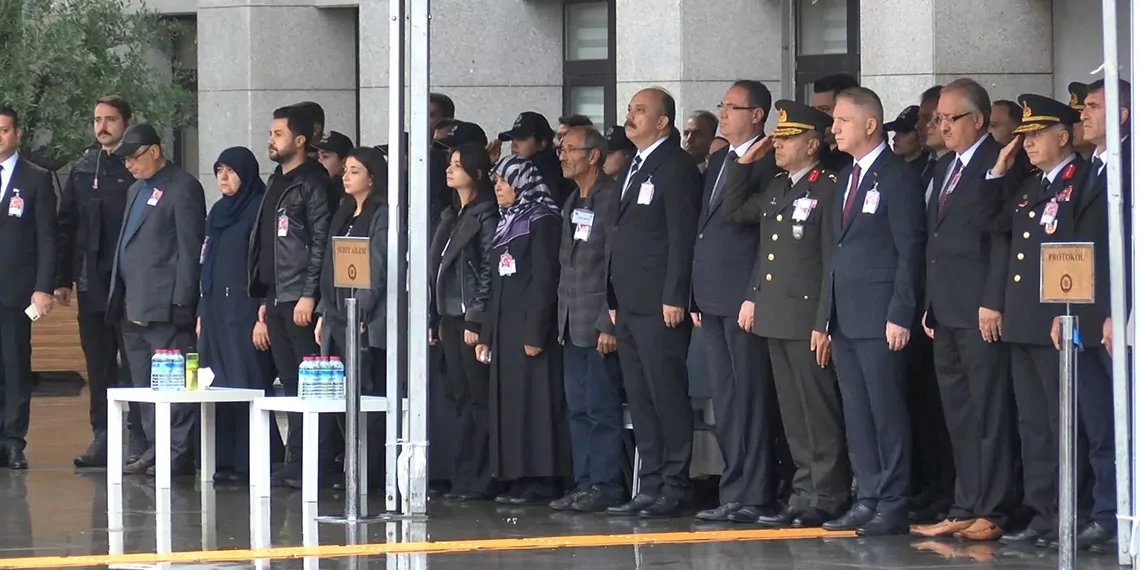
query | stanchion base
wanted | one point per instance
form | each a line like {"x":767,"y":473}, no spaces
{"x":369,"y":519}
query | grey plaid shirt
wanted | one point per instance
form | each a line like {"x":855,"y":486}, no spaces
{"x":582,"y":308}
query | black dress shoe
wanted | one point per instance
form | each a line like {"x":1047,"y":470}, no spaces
{"x":96,"y":454}
{"x":750,"y":514}
{"x":781,"y":519}
{"x":1046,"y":540}
{"x":634,"y":506}
{"x":1028,"y":535}
{"x":857,"y":516}
{"x":883,"y":526}
{"x":466,"y":496}
{"x":1107,"y":547}
{"x":529,"y":497}
{"x":16,"y":459}
{"x":720,"y":513}
{"x":564,"y":502}
{"x":1094,"y":533}
{"x":663,"y":508}
{"x":811,"y":518}
{"x":595,"y":501}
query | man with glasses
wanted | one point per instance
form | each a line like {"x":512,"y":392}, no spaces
{"x":738,"y":368}
{"x":154,"y":287}
{"x":966,"y":263}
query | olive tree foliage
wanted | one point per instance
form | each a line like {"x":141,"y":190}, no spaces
{"x":58,"y":56}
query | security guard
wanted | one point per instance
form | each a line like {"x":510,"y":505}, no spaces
{"x":787,"y":283}
{"x":1034,"y":215}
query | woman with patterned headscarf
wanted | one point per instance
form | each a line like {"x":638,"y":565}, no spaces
{"x":529,"y":447}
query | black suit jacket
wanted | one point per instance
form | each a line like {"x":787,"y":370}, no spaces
{"x":966,"y":259}
{"x":651,"y":245}
{"x":724,"y":251}
{"x":877,"y":261}
{"x":28,"y":257}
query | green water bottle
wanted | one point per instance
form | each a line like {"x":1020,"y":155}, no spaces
{"x":191,"y":371}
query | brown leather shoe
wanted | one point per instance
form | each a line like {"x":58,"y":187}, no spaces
{"x":982,"y":530}
{"x":945,"y":528}
{"x":138,"y":468}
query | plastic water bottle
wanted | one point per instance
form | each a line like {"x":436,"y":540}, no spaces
{"x":177,"y":371}
{"x":304,"y":384}
{"x":157,"y":369}
{"x":325,"y":373}
{"x":338,"y":377}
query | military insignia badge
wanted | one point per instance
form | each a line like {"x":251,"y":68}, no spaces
{"x":783,"y":116}
{"x":798,"y":231}
{"x":1026,"y":112}
{"x":814,"y":175}
{"x":1073,"y":102}
{"x":1051,"y":227}
{"x":1068,"y":172}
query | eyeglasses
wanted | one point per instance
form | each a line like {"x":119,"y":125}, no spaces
{"x":731,"y":107}
{"x":941,"y":119}
{"x":564,"y":150}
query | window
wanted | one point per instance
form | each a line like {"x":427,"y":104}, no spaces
{"x":589,"y":82}
{"x":827,"y":41}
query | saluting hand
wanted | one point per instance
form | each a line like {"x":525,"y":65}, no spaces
{"x":897,"y":337}
{"x":1006,"y":157}
{"x":758,"y":150}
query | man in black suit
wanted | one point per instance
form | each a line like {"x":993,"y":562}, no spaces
{"x":965,"y":294}
{"x":155,"y":277}
{"x":90,"y":217}
{"x":27,"y":261}
{"x":880,"y":229}
{"x":796,"y":242}
{"x":1094,"y":367}
{"x":1039,"y":211}
{"x":739,"y":370}
{"x":651,"y":257}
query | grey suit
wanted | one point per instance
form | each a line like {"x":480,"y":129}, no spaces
{"x":155,"y":284}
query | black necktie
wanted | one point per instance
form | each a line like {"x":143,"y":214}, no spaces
{"x":632,"y":172}
{"x":718,"y":186}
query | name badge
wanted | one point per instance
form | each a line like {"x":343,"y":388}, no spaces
{"x":583,"y":221}
{"x":16,"y":205}
{"x":155,"y":196}
{"x":645,"y":194}
{"x":507,"y":264}
{"x":282,"y":225}
{"x":871,"y":202}
{"x":1050,"y":213}
{"x":804,"y":206}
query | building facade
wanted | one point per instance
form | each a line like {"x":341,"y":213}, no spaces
{"x":499,"y":57}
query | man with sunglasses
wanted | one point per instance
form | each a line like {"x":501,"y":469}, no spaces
{"x":155,"y":276}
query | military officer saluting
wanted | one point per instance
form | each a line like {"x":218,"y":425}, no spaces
{"x":788,"y":280}
{"x":1037,"y":210}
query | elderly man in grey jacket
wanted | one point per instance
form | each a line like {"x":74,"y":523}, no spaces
{"x":155,"y":281}
{"x":592,"y":376}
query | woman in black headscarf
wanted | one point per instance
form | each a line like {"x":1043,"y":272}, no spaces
{"x":520,"y":341}
{"x":231,"y":341}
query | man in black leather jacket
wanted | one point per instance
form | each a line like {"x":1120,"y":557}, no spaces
{"x":286,"y":248}
{"x":90,"y":216}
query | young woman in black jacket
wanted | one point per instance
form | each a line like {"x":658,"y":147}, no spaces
{"x":461,"y":277}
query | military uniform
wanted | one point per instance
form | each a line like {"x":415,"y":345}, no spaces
{"x":1038,"y":212}
{"x":796,"y":238}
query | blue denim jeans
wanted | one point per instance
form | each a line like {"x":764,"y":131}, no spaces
{"x":593,"y":397}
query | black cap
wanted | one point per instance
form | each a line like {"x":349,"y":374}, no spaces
{"x":137,"y":137}
{"x":335,"y":142}
{"x":384,"y":147}
{"x":462,"y":132}
{"x":529,"y":124}
{"x":1040,"y":112}
{"x":1077,"y":93}
{"x":906,"y":122}
{"x":616,"y":139}
{"x":796,"y":118}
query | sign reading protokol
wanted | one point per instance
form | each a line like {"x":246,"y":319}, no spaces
{"x":1067,"y":273}
{"x":350,"y":263}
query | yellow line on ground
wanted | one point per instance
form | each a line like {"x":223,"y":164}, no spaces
{"x":450,"y":546}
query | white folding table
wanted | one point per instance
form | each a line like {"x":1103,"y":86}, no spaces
{"x":310,"y":410}
{"x":117,"y":400}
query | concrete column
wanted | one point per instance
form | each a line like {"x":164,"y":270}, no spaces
{"x":494,"y":59}
{"x":907,"y":46}
{"x":696,"y":48}
{"x":254,"y":57}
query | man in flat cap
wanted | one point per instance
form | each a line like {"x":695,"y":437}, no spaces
{"x":154,"y":288}
{"x":794,"y":213}
{"x":1036,"y":213}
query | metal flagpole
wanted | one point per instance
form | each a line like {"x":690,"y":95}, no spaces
{"x":1124,"y":318}
{"x":1067,"y":505}
{"x":419,"y":182}
{"x":1116,"y":278}
{"x":397,"y":179}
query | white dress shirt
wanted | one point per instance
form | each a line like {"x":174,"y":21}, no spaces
{"x":865,"y":164}
{"x":9,"y":167}
{"x":643,"y":155}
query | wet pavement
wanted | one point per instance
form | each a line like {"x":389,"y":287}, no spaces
{"x":55,"y":510}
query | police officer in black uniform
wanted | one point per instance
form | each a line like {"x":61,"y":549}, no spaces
{"x":1034,"y":215}
{"x":786,"y":286}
